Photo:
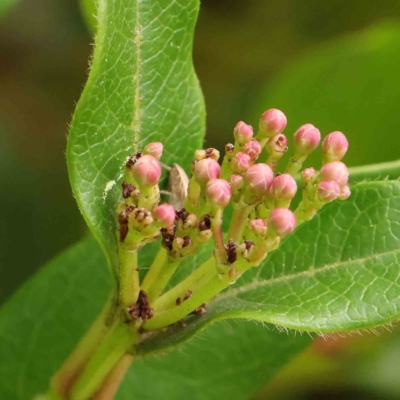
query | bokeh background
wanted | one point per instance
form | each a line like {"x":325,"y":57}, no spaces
{"x":334,"y":63}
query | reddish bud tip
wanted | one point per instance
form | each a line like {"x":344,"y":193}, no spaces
{"x":308,"y":175}
{"x":218,"y":192}
{"x":284,"y":187}
{"x":328,"y":191}
{"x":335,"y":171}
{"x":206,"y":169}
{"x":240,"y":163}
{"x":306,"y":139}
{"x":345,"y":193}
{"x":243,"y":133}
{"x":335,"y":146}
{"x":272,"y":122}
{"x":212,"y":153}
{"x":258,"y":178}
{"x":282,"y":220}
{"x":252,"y":149}
{"x":258,"y":226}
{"x":147,"y":171}
{"x":154,"y":149}
{"x":164,"y":214}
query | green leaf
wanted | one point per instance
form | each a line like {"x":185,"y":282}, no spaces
{"x":338,"y":272}
{"x":142,"y":87}
{"x":88,"y":10}
{"x":350,"y":84}
{"x":41,"y":324}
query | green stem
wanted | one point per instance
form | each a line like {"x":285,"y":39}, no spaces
{"x":128,"y":277}
{"x":216,"y":227}
{"x":193,"y":282}
{"x":116,"y":343}
{"x":154,"y":270}
{"x":294,"y":165}
{"x":75,"y":363}
{"x":238,"y":222}
{"x":111,"y":384}
{"x":167,"y":269}
{"x":174,"y":314}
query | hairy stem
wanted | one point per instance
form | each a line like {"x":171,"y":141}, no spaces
{"x":128,"y":277}
{"x":193,"y":282}
{"x":153,"y":272}
{"x":116,"y":343}
{"x":166,"y":271}
{"x":75,"y":363}
{"x":113,"y":380}
{"x":238,"y":222}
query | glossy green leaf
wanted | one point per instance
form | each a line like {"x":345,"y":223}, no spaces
{"x":142,"y":87}
{"x":338,"y":272}
{"x":351,"y":84}
{"x":41,"y":324}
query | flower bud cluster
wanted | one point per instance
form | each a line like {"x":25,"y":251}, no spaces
{"x":259,"y":196}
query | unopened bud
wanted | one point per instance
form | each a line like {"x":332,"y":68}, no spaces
{"x":258,"y":226}
{"x":240,"y":163}
{"x":243,"y":133}
{"x":206,"y":169}
{"x":229,"y":148}
{"x":284,"y":187}
{"x":277,"y":145}
{"x":154,"y":149}
{"x":282,"y":220}
{"x":212,"y":153}
{"x":272,"y":122}
{"x":218,"y":192}
{"x":306,"y":139}
{"x":252,"y":149}
{"x":258,"y":178}
{"x":335,"y":171}
{"x":164,"y":214}
{"x":308,"y":175}
{"x":335,"y":146}
{"x":328,"y":191}
{"x":200,"y":155}
{"x":345,"y":193}
{"x":147,"y":171}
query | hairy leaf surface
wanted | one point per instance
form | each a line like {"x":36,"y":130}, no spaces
{"x":41,"y":324}
{"x":142,"y":87}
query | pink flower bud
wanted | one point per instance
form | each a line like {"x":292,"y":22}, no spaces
{"x":236,"y":182}
{"x":243,"y":133}
{"x":345,"y":193}
{"x":335,"y":146}
{"x":258,"y":226}
{"x":154,"y":149}
{"x":240,"y":163}
{"x":306,"y":139}
{"x":308,"y":175}
{"x":272,"y":122}
{"x":328,"y":191}
{"x":252,"y":149}
{"x":147,"y":171}
{"x":258,"y":178}
{"x":218,"y":192}
{"x":164,"y":214}
{"x":335,"y":171}
{"x":282,"y":220}
{"x":206,"y":169}
{"x":284,"y":187}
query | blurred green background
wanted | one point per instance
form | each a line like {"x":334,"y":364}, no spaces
{"x":333,"y":63}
